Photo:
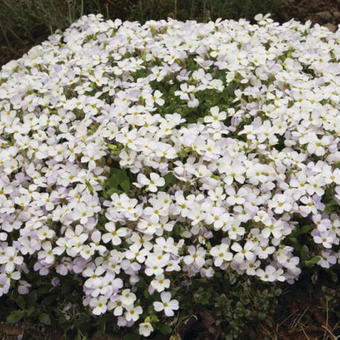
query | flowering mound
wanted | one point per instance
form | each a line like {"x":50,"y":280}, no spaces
{"x":132,"y":156}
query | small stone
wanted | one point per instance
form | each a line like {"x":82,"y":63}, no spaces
{"x":324,"y":16}
{"x":336,"y":15}
{"x":331,"y":27}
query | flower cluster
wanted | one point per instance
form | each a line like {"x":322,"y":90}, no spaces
{"x":226,"y":143}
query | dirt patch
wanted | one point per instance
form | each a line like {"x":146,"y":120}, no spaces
{"x":6,"y":54}
{"x":323,"y":12}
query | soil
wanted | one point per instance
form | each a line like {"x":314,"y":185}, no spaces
{"x":6,"y":54}
{"x":323,"y":12}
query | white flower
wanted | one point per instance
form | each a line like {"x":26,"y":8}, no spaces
{"x":94,"y":276}
{"x":132,"y":313}
{"x":156,"y":97}
{"x":274,"y":229}
{"x":114,"y":235}
{"x":83,"y":212}
{"x":22,"y":200}
{"x":326,"y":238}
{"x":135,"y":252}
{"x":145,"y":329}
{"x":197,"y":256}
{"x":47,"y":253}
{"x":216,"y":117}
{"x":9,"y":258}
{"x":167,"y":305}
{"x":244,"y":252}
{"x":152,"y":183}
{"x":117,"y":305}
{"x":4,"y":284}
{"x":99,"y":305}
{"x":127,"y":297}
{"x":185,"y":90}
{"x":160,"y":283}
{"x":280,"y":203}
{"x":250,"y":267}
{"x":235,"y":230}
{"x":221,"y":253}
{"x":270,"y":274}
{"x":317,"y":145}
{"x":233,"y":172}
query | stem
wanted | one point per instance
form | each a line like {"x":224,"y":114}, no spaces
{"x":191,"y":10}
{"x":175,"y":9}
{"x":81,"y":8}
{"x":8,"y":43}
{"x":69,"y":13}
{"x":140,"y":9}
{"x":107,"y":11}
{"x":204,"y":16}
{"x":16,"y":35}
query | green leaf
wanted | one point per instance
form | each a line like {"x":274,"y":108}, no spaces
{"x":170,"y":179}
{"x":331,"y":206}
{"x":175,"y":337}
{"x":314,"y":260}
{"x":112,"y":191}
{"x":30,"y":311}
{"x":305,"y":229}
{"x":333,"y":276}
{"x":89,"y":186}
{"x":20,"y":301}
{"x":304,"y":252}
{"x":154,"y":318}
{"x":111,"y":146}
{"x":78,"y":336}
{"x":118,"y":179}
{"x":45,"y":319}
{"x":293,"y":240}
{"x":112,"y":182}
{"x":125,"y":185}
{"x":32,"y":297}
{"x":15,"y":316}
{"x":131,"y":336}
{"x":165,"y":329}
{"x":49,"y":300}
{"x":66,"y":288}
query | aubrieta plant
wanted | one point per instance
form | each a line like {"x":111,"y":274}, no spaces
{"x":137,"y":157}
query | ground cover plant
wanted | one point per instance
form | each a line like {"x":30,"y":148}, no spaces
{"x":24,"y":24}
{"x":145,"y":165}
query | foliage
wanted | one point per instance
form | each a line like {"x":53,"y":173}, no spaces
{"x":231,"y":306}
{"x":57,"y":307}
